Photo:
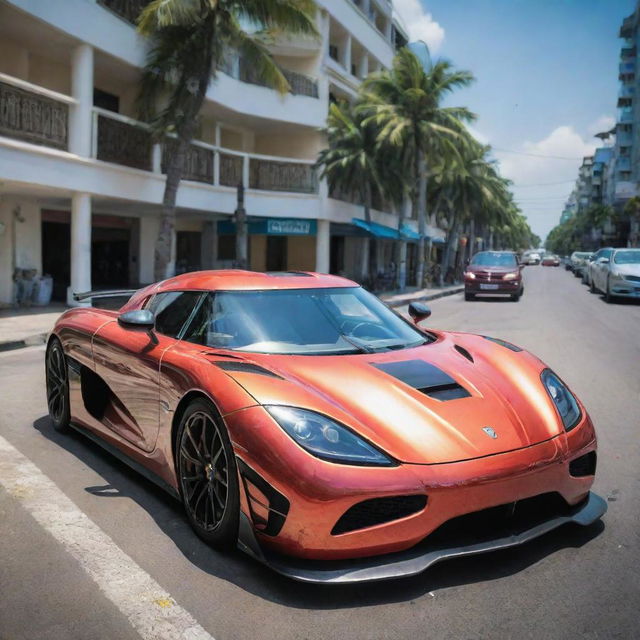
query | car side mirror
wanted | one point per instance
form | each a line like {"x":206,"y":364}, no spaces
{"x":604,"y":260}
{"x":521,"y":266}
{"x":137,"y":319}
{"x":419,"y":311}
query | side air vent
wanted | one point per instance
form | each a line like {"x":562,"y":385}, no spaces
{"x":463,"y":352}
{"x":583,"y":466}
{"x":503,"y":343}
{"x":425,"y":377}
{"x":378,"y":511}
{"x":288,"y":274}
{"x":245,"y":367}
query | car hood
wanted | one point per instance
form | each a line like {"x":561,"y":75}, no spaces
{"x":491,"y":270}
{"x":627,"y":269}
{"x":397,"y":400}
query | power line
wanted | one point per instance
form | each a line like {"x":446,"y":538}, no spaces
{"x":542,"y":184}
{"x":537,"y":155}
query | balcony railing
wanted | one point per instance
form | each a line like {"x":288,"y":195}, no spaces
{"x":625,"y":115}
{"x":623,"y":163}
{"x":244,"y":71}
{"x":128,"y":10}
{"x":273,"y":175}
{"x":124,"y":141}
{"x":626,"y":92}
{"x":624,"y":138}
{"x":40,"y":117}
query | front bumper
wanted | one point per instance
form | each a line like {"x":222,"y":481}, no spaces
{"x":625,"y":289}
{"x":498,"y":287}
{"x":417,"y":559}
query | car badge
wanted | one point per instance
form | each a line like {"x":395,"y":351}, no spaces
{"x":490,"y":432}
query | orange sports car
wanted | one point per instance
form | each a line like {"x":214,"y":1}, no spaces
{"x":299,"y":418}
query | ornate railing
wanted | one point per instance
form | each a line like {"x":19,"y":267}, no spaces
{"x":272,"y":175}
{"x":198,"y":162}
{"x":246,"y":72}
{"x":123,"y":143}
{"x":230,"y":170}
{"x":33,"y":118}
{"x":128,"y":10}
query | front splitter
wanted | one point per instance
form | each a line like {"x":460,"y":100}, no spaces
{"x":410,"y":562}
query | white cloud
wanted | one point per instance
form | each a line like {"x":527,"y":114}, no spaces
{"x":603,"y":123}
{"x":542,"y":184}
{"x":420,"y":24}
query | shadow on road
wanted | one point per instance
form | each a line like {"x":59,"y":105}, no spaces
{"x":256,"y":579}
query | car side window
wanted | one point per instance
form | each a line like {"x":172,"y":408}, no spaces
{"x":172,"y":310}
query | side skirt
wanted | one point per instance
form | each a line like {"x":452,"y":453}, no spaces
{"x":136,"y":466}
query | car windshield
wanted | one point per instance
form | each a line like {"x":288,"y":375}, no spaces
{"x":301,"y":321}
{"x":627,"y":257}
{"x":494,"y":259}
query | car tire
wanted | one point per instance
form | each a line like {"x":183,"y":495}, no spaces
{"x":207,"y":475}
{"x":608,"y":298}
{"x":592,"y":287}
{"x":57,"y":386}
{"x":469,"y":296}
{"x":515,"y":297}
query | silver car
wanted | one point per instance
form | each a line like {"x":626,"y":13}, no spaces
{"x":617,"y":275}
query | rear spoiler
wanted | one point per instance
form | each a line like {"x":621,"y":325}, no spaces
{"x":116,"y":293}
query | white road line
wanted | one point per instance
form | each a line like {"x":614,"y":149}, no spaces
{"x":152,"y":612}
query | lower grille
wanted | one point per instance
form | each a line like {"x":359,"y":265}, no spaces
{"x":377,"y":511}
{"x":495,"y":522}
{"x":583,"y":466}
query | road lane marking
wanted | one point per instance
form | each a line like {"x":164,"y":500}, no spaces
{"x":152,"y":612}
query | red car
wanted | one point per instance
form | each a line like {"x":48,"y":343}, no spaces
{"x":493,"y":273}
{"x":550,"y":261}
{"x":299,"y":418}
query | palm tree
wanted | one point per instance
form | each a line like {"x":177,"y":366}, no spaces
{"x":471,"y":190}
{"x":351,"y":161}
{"x":405,"y":103}
{"x":189,"y":39}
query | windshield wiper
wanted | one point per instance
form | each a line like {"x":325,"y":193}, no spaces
{"x":362,"y":348}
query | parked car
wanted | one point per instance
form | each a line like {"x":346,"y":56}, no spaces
{"x":533,"y":258}
{"x":578,"y":262}
{"x":605,"y":252}
{"x":493,"y":272}
{"x":617,"y":274}
{"x":297,"y":417}
{"x":550,"y":260}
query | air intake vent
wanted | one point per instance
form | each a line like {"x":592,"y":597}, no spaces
{"x":583,"y":466}
{"x":425,"y":377}
{"x":377,"y":511}
{"x":463,"y":352}
{"x":503,"y":343}
{"x":451,"y":391}
{"x":245,"y":367}
{"x":288,"y":274}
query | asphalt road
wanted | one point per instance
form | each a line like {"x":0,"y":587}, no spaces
{"x":571,"y":583}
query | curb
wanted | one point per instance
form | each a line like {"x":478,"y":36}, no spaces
{"x":29,"y":341}
{"x":430,"y":296}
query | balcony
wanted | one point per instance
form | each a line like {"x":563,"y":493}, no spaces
{"x":623,"y":163}
{"x":625,"y":189}
{"x":627,"y":68}
{"x":624,"y":138}
{"x":628,"y":53}
{"x":625,"y":115}
{"x":38,"y":116}
{"x":626,"y":92}
{"x":128,"y":10}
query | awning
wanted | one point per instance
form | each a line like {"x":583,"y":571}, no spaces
{"x":382,"y":231}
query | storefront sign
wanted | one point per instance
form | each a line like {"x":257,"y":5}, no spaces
{"x":273,"y":227}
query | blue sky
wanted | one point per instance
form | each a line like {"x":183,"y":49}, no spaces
{"x":546,"y":81}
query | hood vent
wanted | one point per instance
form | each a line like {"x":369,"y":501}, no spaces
{"x":245,"y":367}
{"x":503,"y":343}
{"x":463,"y":352}
{"x":424,"y":377}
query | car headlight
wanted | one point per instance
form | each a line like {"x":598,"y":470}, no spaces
{"x":510,"y":276}
{"x":470,"y":275}
{"x":562,"y":398}
{"x":327,"y":439}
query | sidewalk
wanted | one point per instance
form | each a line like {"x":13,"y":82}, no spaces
{"x":411,"y":294}
{"x":24,"y":327}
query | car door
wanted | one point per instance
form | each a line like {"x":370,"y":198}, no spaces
{"x":601,"y":268}
{"x":129,"y":362}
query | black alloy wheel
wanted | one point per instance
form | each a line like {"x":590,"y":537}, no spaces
{"x":207,"y":475}
{"x":57,"y":378}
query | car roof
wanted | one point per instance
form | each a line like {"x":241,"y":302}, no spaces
{"x":241,"y":280}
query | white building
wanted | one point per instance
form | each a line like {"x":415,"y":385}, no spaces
{"x":81,"y":182}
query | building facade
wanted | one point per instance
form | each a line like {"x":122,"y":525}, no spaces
{"x":81,"y":180}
